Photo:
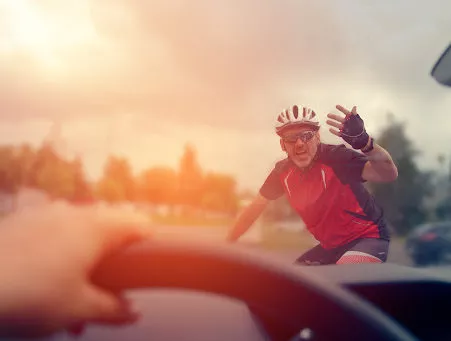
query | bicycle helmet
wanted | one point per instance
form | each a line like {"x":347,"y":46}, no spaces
{"x":295,"y":116}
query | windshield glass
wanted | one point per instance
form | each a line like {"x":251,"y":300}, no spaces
{"x":171,"y":107}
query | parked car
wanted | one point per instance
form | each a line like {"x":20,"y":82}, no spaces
{"x":430,"y":244}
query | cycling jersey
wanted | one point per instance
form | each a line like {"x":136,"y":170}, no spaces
{"x":330,"y":196}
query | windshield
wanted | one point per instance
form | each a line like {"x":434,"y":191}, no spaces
{"x":170,"y":108}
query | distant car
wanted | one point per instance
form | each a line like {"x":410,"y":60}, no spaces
{"x":430,"y":244}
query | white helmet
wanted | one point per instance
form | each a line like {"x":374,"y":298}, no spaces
{"x":292,"y":116}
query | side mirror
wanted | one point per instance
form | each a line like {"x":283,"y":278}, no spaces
{"x":441,"y":71}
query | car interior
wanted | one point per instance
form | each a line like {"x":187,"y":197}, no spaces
{"x":351,"y":302}
{"x":190,"y":290}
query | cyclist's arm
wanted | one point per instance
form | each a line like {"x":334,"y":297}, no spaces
{"x":270,"y":190}
{"x":380,"y":166}
{"x":249,"y":215}
{"x":353,"y":166}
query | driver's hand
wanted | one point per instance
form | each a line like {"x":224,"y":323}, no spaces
{"x":46,"y":256}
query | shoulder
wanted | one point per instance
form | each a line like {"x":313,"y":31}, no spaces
{"x":282,"y":166}
{"x":272,"y":187}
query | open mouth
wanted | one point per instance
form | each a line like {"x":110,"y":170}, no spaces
{"x":300,"y":152}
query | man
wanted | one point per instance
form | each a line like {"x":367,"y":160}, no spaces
{"x":324,"y":184}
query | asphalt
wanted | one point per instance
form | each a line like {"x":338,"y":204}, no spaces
{"x":396,"y":254}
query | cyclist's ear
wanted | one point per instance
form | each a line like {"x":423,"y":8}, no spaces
{"x":282,"y":145}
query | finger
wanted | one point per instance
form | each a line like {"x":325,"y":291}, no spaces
{"x":343,"y":110}
{"x":336,"y":117}
{"x":102,"y":307}
{"x":77,"y":329}
{"x":354,"y":110}
{"x":335,"y":132}
{"x":335,"y":124}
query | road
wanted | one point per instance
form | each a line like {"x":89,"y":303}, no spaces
{"x":396,"y":253}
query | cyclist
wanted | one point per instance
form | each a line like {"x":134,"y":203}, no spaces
{"x":325,"y":185}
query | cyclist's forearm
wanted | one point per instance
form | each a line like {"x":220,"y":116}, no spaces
{"x":244,"y":222}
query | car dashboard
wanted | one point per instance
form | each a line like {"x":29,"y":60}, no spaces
{"x":418,"y":298}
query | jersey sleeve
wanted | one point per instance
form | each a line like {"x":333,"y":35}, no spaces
{"x":272,"y":188}
{"x":347,"y":163}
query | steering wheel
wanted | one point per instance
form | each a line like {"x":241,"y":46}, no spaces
{"x":285,"y":299}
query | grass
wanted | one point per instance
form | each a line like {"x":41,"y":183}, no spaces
{"x":195,"y":220}
{"x":273,"y":239}
{"x":277,"y":239}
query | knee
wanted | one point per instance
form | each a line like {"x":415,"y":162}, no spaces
{"x":354,"y":257}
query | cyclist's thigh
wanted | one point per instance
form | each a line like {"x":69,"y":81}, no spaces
{"x":368,"y":250}
{"x":316,"y":256}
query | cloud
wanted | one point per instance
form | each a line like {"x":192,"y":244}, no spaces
{"x":220,"y":70}
{"x":233,"y":60}
{"x":186,"y":61}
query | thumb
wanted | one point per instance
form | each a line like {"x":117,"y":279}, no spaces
{"x":103,"y":307}
{"x":354,"y":110}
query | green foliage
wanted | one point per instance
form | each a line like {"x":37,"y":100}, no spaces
{"x":190,"y":179}
{"x":402,"y":200}
{"x":42,"y":169}
{"x":187,"y":186}
{"x":117,"y":183}
{"x":219,"y":193}
{"x":158,"y":185}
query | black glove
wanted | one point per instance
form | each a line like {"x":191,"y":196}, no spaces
{"x":354,"y":132}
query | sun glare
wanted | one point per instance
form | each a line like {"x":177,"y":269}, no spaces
{"x":46,"y":34}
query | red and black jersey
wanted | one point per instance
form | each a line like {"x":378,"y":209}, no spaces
{"x":330,"y":196}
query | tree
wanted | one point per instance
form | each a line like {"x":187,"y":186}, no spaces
{"x":9,"y":170}
{"x":443,"y":209}
{"x":219,"y":193}
{"x":110,"y":190}
{"x":26,"y":157}
{"x":402,"y":200}
{"x":43,"y":169}
{"x":443,"y":189}
{"x":82,"y":189}
{"x":189,"y":179}
{"x":52,"y":173}
{"x":158,"y":185}
{"x":44,"y":157}
{"x":117,"y":183}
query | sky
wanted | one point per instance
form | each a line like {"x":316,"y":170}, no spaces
{"x":142,"y":78}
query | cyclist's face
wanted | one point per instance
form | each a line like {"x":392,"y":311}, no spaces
{"x":301,"y":144}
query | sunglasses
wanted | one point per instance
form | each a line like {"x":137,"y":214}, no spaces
{"x":305,"y":137}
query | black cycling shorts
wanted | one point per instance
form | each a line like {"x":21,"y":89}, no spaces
{"x":367,"y":246}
